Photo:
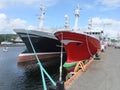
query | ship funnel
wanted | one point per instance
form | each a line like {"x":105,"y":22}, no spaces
{"x":42,"y":17}
{"x":66,"y":25}
{"x":76,"y":16}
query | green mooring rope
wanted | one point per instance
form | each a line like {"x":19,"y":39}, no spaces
{"x":41,"y":67}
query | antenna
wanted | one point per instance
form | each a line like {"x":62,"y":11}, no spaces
{"x":42,"y":17}
{"x":76,"y":16}
{"x":90,"y":24}
{"x":66,"y":21}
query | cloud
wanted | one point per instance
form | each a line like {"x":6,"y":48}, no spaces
{"x":109,"y":4}
{"x":8,"y":3}
{"x":7,"y":25}
{"x":88,"y":6}
{"x":2,"y":4}
{"x":17,"y":23}
{"x":108,"y":25}
{"x":31,"y":27}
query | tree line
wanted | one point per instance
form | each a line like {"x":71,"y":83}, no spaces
{"x":7,"y":37}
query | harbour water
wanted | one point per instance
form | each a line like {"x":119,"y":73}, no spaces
{"x":16,"y":77}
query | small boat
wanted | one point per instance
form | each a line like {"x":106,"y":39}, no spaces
{"x":5,"y":49}
{"x":5,"y":45}
{"x":79,"y":46}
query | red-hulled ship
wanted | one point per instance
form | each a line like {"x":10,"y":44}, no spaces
{"x":78,"y":45}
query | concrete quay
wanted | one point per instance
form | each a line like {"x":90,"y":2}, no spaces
{"x":103,"y":74}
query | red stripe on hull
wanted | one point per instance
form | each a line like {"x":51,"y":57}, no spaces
{"x":25,"y":57}
{"x":78,"y":46}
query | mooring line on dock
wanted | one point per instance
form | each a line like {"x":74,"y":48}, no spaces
{"x":98,"y":52}
{"x":78,"y":73}
{"x":81,"y":64}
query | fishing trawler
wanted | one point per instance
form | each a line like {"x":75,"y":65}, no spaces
{"x":79,"y":46}
{"x":45,"y":44}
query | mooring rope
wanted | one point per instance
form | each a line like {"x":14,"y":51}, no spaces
{"x":88,"y":46}
{"x":41,"y":67}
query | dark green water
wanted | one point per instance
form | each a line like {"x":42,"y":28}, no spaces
{"x":26,"y":77}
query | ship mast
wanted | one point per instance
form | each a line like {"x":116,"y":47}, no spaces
{"x":42,"y":17}
{"x":76,"y":16}
{"x":90,"y":25}
{"x":66,"y":25}
{"x":118,"y":37}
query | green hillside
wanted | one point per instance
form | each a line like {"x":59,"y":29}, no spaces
{"x":7,"y":37}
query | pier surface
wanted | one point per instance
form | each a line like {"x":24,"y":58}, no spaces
{"x":101,"y":74}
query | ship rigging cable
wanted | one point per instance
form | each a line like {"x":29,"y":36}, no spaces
{"x":41,"y":67}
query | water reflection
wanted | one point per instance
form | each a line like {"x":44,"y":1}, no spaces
{"x":25,"y":76}
{"x":33,"y":76}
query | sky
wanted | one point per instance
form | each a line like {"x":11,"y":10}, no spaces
{"x":105,"y":14}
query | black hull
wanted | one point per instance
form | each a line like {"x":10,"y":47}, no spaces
{"x":45,"y":45}
{"x":42,"y":41}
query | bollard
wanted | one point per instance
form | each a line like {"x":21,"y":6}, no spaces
{"x":97,"y":57}
{"x":52,"y":88}
{"x":60,"y":86}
